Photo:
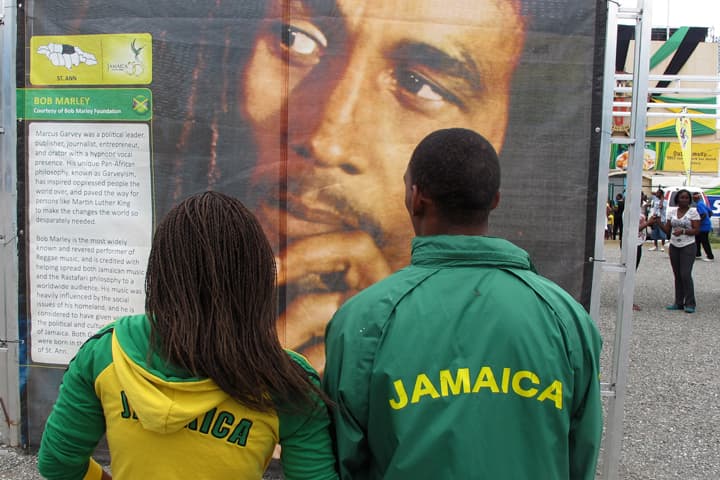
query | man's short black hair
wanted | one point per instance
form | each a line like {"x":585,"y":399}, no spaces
{"x":459,"y":170}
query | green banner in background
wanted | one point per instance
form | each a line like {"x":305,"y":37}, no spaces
{"x":668,"y":47}
{"x":96,"y":104}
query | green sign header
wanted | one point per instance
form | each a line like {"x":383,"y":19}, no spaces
{"x":97,"y":104}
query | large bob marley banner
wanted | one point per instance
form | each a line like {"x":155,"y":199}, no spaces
{"x":306,"y":110}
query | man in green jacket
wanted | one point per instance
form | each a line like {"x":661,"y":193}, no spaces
{"x":467,"y":363}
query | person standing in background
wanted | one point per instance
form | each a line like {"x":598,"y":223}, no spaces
{"x":682,"y":226}
{"x":644,"y":204}
{"x":658,"y":215}
{"x":703,"y":236}
{"x":619,"y":209}
{"x":642,"y":236}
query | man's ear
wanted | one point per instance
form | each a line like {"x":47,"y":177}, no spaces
{"x":417,"y":202}
{"x":421,"y":203}
{"x":495,"y":201}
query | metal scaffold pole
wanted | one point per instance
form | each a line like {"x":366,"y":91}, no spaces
{"x":615,"y":387}
{"x":9,"y":334}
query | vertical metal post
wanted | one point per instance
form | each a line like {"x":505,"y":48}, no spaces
{"x":605,"y":144}
{"x":626,"y":285}
{"x":9,"y":367}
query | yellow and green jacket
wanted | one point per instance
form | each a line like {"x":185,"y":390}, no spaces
{"x":465,"y":364}
{"x":161,"y":422}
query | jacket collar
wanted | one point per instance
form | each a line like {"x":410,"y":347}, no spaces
{"x":463,"y":250}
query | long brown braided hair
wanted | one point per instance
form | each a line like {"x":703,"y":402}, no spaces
{"x":211,"y":299}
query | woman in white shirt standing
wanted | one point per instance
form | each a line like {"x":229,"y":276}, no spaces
{"x":682,"y":225}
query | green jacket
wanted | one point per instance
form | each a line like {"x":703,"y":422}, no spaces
{"x":163,"y":423}
{"x":465,"y":365}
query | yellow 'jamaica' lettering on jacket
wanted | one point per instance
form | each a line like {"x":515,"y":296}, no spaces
{"x":521,"y":382}
{"x":127,"y":412}
{"x":219,"y":426}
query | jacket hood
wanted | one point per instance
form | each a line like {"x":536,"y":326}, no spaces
{"x":164,"y":398}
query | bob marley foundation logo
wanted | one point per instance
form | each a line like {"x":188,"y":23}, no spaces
{"x":133,"y":67}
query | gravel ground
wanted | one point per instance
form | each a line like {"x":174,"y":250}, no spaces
{"x":672,"y":408}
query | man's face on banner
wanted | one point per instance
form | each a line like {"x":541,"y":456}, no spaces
{"x":337,"y":95}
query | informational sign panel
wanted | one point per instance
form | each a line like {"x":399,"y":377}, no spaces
{"x":90,"y":228}
{"x":308,"y":111}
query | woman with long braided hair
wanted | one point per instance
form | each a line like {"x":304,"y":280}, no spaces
{"x":198,"y":386}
